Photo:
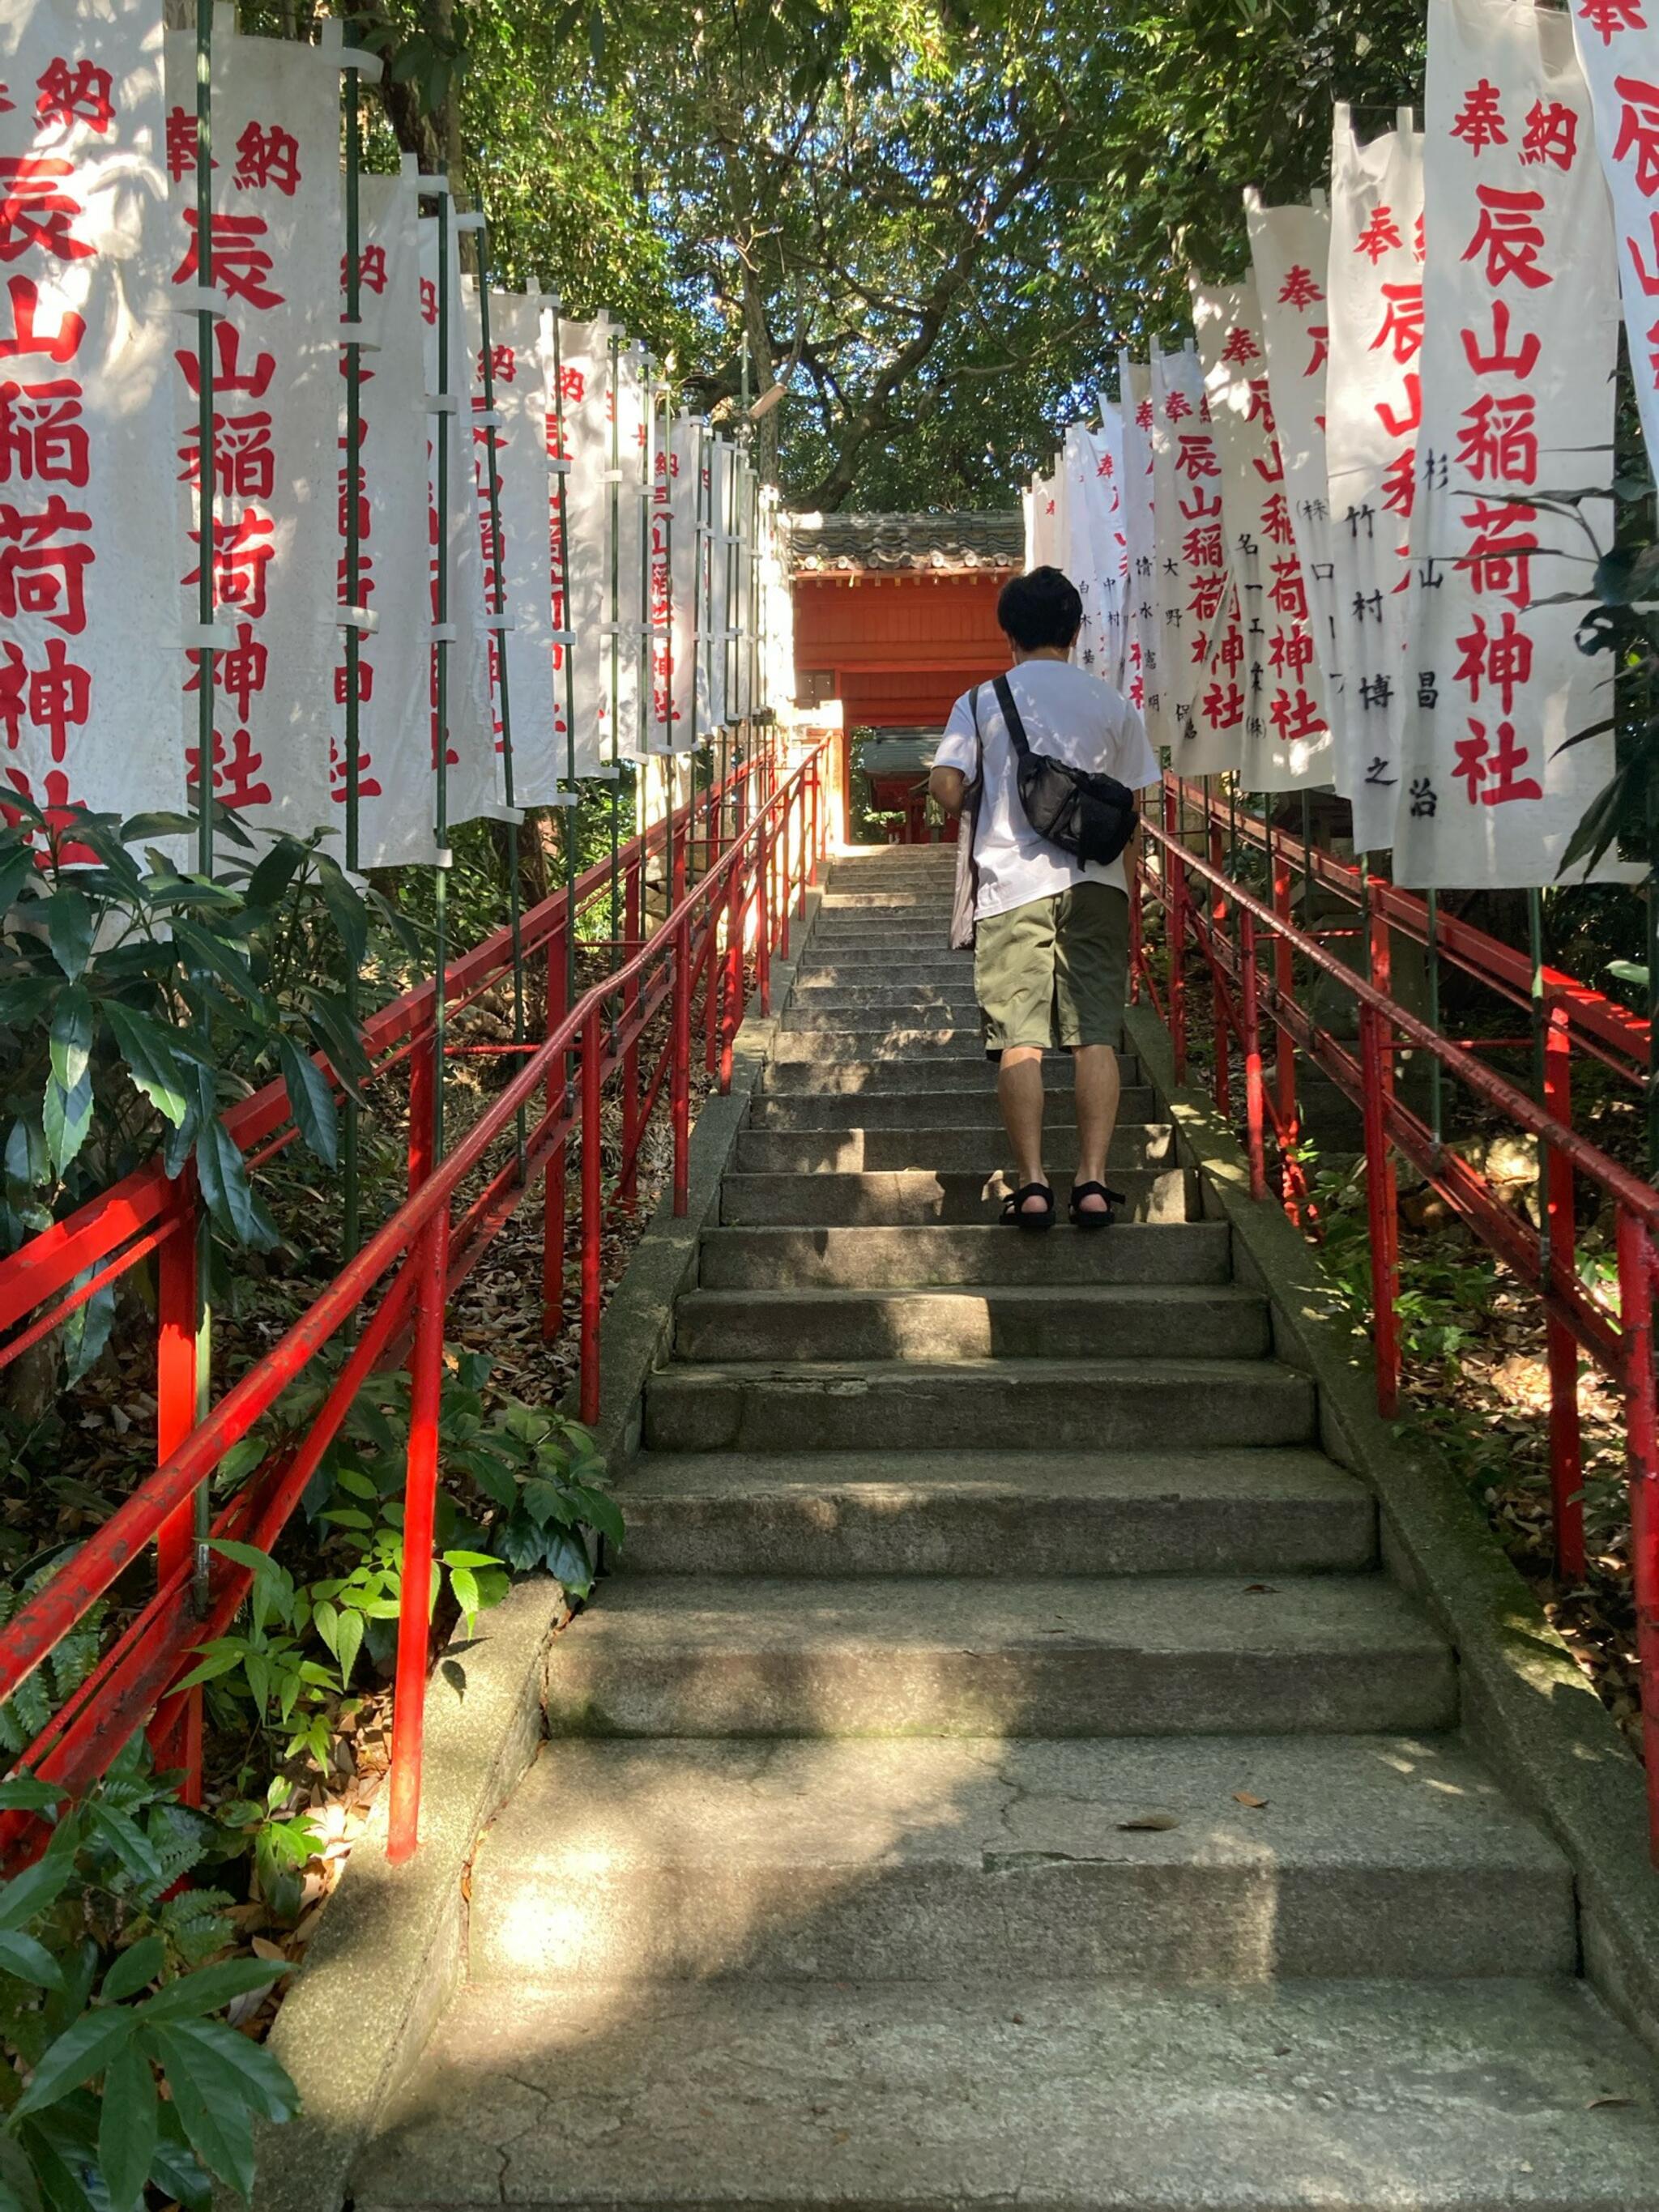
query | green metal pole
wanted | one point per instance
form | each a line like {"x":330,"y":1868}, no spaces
{"x":441,"y":768}
{"x":352,"y":1236}
{"x":1436,"y":1076}
{"x":206,"y":679}
{"x":496,"y":594}
{"x":567,"y":638}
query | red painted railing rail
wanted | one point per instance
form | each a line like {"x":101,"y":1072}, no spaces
{"x":1204,"y":911}
{"x":414,"y":1262}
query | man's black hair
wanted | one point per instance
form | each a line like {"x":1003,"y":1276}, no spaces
{"x":1040,"y":608}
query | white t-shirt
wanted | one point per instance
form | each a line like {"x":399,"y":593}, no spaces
{"x":1072,"y":716}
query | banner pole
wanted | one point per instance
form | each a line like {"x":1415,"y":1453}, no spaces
{"x":495,"y":598}
{"x":352,"y":1233}
{"x":561,"y":466}
{"x":615,"y":473}
{"x":440,"y":765}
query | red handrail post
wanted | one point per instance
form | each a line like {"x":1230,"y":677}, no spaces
{"x":765,"y":856}
{"x":788,"y":821}
{"x":1567,"y":1448}
{"x":553,"y":1181}
{"x":1222,"y":1077}
{"x":713,"y":968}
{"x":1255,"y":1102}
{"x":679,"y":1088}
{"x":422,"y":1104}
{"x":1174,"y":900}
{"x":1283,"y":1052}
{"x":431,"y":1257}
{"x":592,"y":1217}
{"x":1635,"y":1279}
{"x":733,"y":994}
{"x":627,"y":1184}
{"x":178,"y":1744}
{"x":1381,"y":1210}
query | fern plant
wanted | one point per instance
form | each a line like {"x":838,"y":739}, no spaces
{"x":59,"y":1675}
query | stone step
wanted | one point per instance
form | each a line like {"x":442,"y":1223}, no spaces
{"x":920,"y":1194}
{"x":861,"y":1150}
{"x":1148,"y":1655}
{"x":939,"y":1109}
{"x":1033,"y":1321}
{"x":822,"y":1045}
{"x":874,"y":1258}
{"x":1056,"y":2095}
{"x":954,"y":968}
{"x":920,"y":1072}
{"x":896,"y":899}
{"x":964,"y":1860}
{"x":1020,"y":1513}
{"x":957,"y":1022}
{"x":986,"y":1405}
{"x":946,"y":996}
{"x":844,"y":938}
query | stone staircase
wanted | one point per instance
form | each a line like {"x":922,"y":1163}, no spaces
{"x":1001,"y":1772}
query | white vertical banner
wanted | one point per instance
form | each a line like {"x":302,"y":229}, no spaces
{"x":662,"y":734}
{"x":741,"y":540}
{"x":1290,"y":254}
{"x":1287,"y":744}
{"x":1090,"y":555}
{"x":1112,"y":612}
{"x":625,"y":525}
{"x":1200,"y":700}
{"x":471,"y":783}
{"x":1518,"y":354}
{"x":585,"y":373}
{"x":717,"y":502}
{"x":1618,"y":44}
{"x":517,"y":573}
{"x":1374,"y":392}
{"x":690,"y":668}
{"x":1140,"y":613}
{"x":276,"y":225}
{"x":394,"y":745}
{"x":89,"y":613}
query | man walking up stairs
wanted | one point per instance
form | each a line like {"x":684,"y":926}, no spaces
{"x":1001,"y":1771}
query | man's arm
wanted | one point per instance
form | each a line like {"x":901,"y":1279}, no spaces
{"x":948,"y":785}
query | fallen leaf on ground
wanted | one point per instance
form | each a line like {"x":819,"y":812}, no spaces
{"x":1244,"y":1797}
{"x":1599,"y":2103}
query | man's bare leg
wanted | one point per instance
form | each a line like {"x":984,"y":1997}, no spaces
{"x":1095,"y":1078}
{"x":1019,"y":1093}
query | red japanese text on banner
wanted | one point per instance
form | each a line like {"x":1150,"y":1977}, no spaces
{"x":1287,"y":744}
{"x":718,"y":499}
{"x":471,"y":772}
{"x":89,"y":666}
{"x":394,"y":746}
{"x":585,"y":372}
{"x":517,"y":572}
{"x":1519,"y":345}
{"x":1140,"y":670}
{"x":627,"y":519}
{"x":674,"y":585}
{"x":1618,"y":44}
{"x":1290,"y":248}
{"x":1200,"y":644}
{"x":1111,"y":612}
{"x":277,"y":393}
{"x":1374,"y":409}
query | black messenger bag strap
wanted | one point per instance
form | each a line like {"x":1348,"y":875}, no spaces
{"x":1016,"y":728}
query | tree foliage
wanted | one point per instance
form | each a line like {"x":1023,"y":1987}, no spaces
{"x":936,"y":220}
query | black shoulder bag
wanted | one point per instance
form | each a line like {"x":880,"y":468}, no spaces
{"x":1092,"y":816}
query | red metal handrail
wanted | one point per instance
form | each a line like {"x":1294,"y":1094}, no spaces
{"x":1595,"y":1024}
{"x":1229,"y":925}
{"x":762,"y":874}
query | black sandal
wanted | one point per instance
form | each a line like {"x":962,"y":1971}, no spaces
{"x":1106,"y":1216}
{"x":1013,"y":1209}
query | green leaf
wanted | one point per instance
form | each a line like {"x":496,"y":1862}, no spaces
{"x":1599,"y":825}
{"x":128,"y":2127}
{"x":347,"y":1644}
{"x":69,"y":924}
{"x":209,"y":1989}
{"x":74,"y":1021}
{"x":213,"y":953}
{"x":26,"y":1793}
{"x":336,"y":1033}
{"x":83,"y":2051}
{"x":19,"y":2189}
{"x":1629,"y":971}
{"x":138,"y":829}
{"x":134,"y":1970}
{"x":264,"y":2082}
{"x":36,"y":1890}
{"x":275,"y":873}
{"x":66,"y":1118}
{"x":311,"y":1101}
{"x":224,"y":1177}
{"x":209,"y":2099}
{"x":146,"y":1047}
{"x":17,"y":867}
{"x":87,"y":1331}
{"x":346,"y":910}
{"x":27,"y":1961}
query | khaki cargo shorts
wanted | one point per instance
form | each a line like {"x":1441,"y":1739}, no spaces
{"x":1053,"y":973}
